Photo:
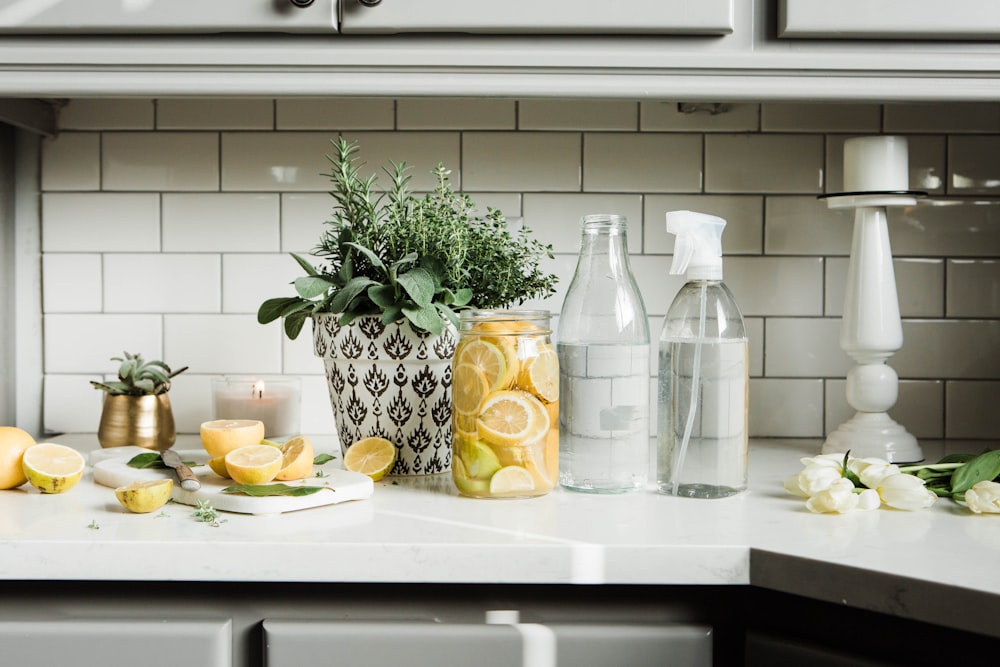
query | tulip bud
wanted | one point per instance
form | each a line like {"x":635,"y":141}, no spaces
{"x":984,"y":498}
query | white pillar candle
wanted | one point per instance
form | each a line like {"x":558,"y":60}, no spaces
{"x":274,"y":401}
{"x":876,"y":164}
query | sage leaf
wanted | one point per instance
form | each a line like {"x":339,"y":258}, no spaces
{"x":262,"y":490}
{"x":985,"y":467}
{"x":306,"y":266}
{"x":320,"y":459}
{"x":424,"y":318}
{"x":418,"y":283}
{"x":346,"y":294}
{"x":146,"y":460}
{"x":272,"y":309}
{"x":310,"y":287}
{"x":294,"y":324}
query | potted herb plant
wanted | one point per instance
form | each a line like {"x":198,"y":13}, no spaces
{"x":394,"y":269}
{"x":137,"y":408}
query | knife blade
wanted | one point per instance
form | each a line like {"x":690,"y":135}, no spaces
{"x":189,"y":481}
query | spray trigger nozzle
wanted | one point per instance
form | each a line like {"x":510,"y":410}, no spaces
{"x":698,"y":246}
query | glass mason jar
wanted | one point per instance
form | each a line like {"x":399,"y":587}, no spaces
{"x":505,"y":405}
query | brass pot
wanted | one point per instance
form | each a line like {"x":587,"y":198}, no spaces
{"x":144,"y":421}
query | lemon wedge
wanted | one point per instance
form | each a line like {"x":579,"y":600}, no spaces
{"x":144,"y":497}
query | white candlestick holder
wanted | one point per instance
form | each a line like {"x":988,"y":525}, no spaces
{"x":871,"y":330}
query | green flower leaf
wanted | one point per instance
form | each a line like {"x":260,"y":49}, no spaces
{"x":985,"y":467}
{"x":418,"y":283}
{"x":263,"y":490}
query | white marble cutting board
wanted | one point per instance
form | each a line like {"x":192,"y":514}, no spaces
{"x":110,"y":468}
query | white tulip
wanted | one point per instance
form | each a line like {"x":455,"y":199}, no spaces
{"x":872,"y":471}
{"x":819,"y":473}
{"x":984,"y":498}
{"x":905,"y":492}
{"x":837,"y":497}
{"x":869,"y":500}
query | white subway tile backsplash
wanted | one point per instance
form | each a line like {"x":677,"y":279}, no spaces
{"x":234,"y":344}
{"x":120,"y":198}
{"x":971,"y":410}
{"x":542,"y":114}
{"x":205,"y":113}
{"x":949,"y":349}
{"x":160,"y":161}
{"x":804,"y":347}
{"x":450,"y":113}
{"x":653,"y":162}
{"x":71,"y":161}
{"x":743,"y":215}
{"x":71,"y":404}
{"x":100,"y":113}
{"x":657,"y":116}
{"x":919,"y":408}
{"x":973,"y":288}
{"x":934,"y":117}
{"x":86,"y":343}
{"x":221,"y":222}
{"x":100,"y":222}
{"x":973,"y":166}
{"x":804,"y":225}
{"x":162,"y":283}
{"x":248,"y":279}
{"x":786,"y":408}
{"x":819,"y":117}
{"x":758,"y":163}
{"x":346,"y":113}
{"x":771,"y":286}
{"x":71,"y":283}
{"x":529,"y":162}
{"x":555,"y":218}
{"x":919,"y":286}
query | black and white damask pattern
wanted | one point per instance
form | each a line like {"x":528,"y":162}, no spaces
{"x":393,"y":382}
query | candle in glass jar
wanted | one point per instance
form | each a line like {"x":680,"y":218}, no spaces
{"x":274,"y":401}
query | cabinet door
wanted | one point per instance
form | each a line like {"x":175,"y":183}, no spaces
{"x":166,"y":16}
{"x":890,"y":19}
{"x":706,"y":17}
{"x":424,"y":644}
{"x":116,"y":643}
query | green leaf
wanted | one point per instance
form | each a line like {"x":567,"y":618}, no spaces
{"x":425,"y":318}
{"x":306,"y":266}
{"x":262,"y":490}
{"x":463,"y":297}
{"x":310,"y":287}
{"x":392,"y":313}
{"x":355,"y":286}
{"x":272,"y":309}
{"x":382,"y":296}
{"x":146,"y":460}
{"x":418,"y":283}
{"x":320,"y":459}
{"x":369,"y":255}
{"x":294,"y":324}
{"x":985,"y":467}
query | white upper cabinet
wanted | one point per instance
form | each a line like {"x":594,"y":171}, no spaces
{"x":701,"y":17}
{"x":167,"y":16}
{"x":890,"y":19}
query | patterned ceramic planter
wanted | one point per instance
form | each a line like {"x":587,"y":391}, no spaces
{"x":393,"y":382}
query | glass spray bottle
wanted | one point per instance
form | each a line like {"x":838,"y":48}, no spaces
{"x":702,"y":381}
{"x":603,"y":345}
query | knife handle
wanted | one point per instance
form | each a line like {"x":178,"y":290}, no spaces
{"x":189,"y":481}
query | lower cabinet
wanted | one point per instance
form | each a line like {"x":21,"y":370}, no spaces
{"x":289,"y":643}
{"x":116,"y":643}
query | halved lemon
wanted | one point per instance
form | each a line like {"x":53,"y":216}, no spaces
{"x":468,"y":388}
{"x":144,"y":497}
{"x":540,"y":374}
{"x":511,"y":481}
{"x":13,"y":443}
{"x":497,"y":361}
{"x":221,"y":436}
{"x":512,"y":417}
{"x":218,"y":466}
{"x":371,"y":456}
{"x":254,"y":464}
{"x":53,"y":468}
{"x":297,"y":459}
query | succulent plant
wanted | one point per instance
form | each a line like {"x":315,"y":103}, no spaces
{"x":138,"y":377}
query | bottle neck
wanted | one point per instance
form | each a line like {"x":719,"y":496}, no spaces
{"x":605,"y":244}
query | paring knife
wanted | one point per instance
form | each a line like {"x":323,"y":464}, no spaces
{"x":189,"y":481}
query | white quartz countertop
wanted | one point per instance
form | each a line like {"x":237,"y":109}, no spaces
{"x":421,"y":531}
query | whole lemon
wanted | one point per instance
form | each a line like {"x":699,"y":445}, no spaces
{"x":13,"y":442}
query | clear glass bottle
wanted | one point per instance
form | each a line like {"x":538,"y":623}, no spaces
{"x":702,"y":379}
{"x":505,"y":405}
{"x":603,"y":344}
